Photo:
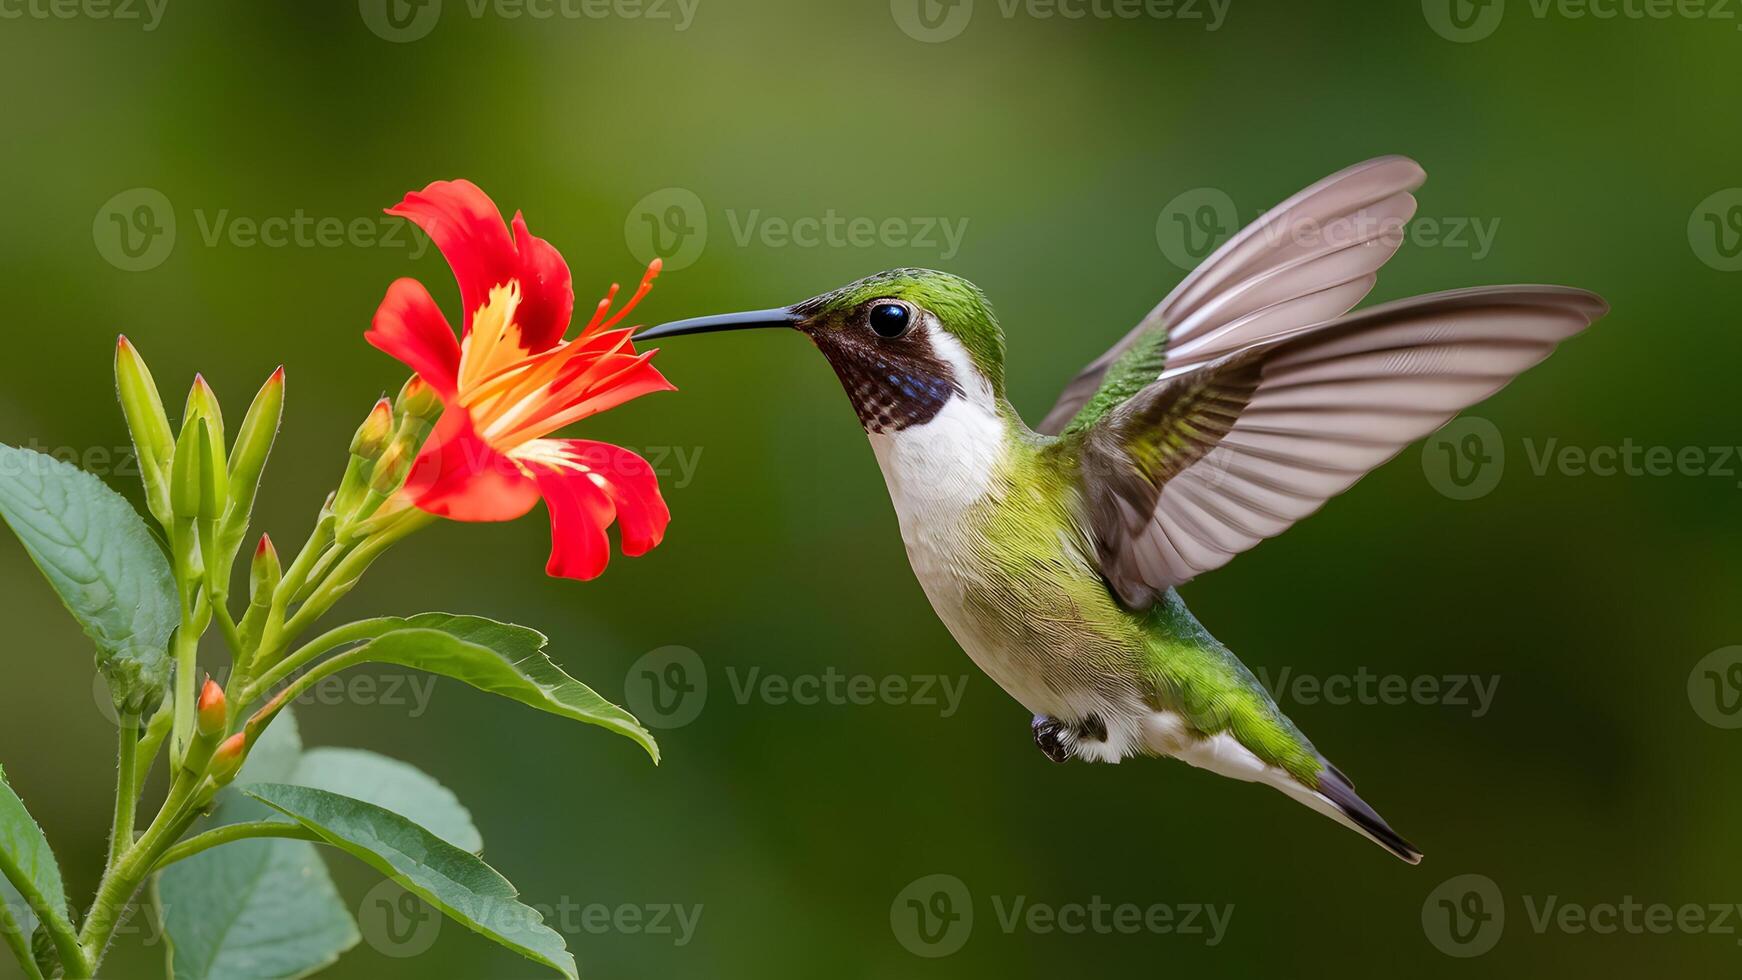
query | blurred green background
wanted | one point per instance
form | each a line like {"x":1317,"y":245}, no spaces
{"x":1587,"y":150}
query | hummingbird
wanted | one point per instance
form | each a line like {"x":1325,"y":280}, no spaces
{"x":1243,"y":402}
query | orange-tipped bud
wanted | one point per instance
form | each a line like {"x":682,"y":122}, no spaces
{"x":264,"y":572}
{"x":227,"y":761}
{"x":418,"y":400}
{"x":213,"y":711}
{"x":372,"y":435}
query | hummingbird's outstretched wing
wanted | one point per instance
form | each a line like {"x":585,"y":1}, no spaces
{"x":1307,"y":260}
{"x":1207,"y":461}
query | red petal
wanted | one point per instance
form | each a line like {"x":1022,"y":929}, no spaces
{"x":458,"y":476}
{"x":466,"y":226}
{"x":409,"y":326}
{"x":547,"y":295}
{"x":633,"y":487}
{"x":579,"y":514}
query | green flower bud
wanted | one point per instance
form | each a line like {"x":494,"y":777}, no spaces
{"x":185,"y":485}
{"x":203,"y":404}
{"x":264,"y":574}
{"x":418,"y":400}
{"x":392,"y":468}
{"x":248,"y":456}
{"x":376,"y":430}
{"x":214,"y":479}
{"x":153,"y":441}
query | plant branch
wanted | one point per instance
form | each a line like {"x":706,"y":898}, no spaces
{"x":230,"y":833}
{"x":155,"y":732}
{"x":126,"y":790}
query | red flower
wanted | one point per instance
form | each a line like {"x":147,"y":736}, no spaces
{"x":510,"y":379}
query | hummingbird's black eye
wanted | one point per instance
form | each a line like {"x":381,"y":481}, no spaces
{"x":890,"y":320}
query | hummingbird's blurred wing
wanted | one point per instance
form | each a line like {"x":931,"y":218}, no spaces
{"x":1208,"y":461}
{"x":1307,"y":260}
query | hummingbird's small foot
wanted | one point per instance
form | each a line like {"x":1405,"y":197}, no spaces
{"x":1049,"y":734}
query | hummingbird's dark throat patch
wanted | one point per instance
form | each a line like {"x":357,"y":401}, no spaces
{"x":893,"y":384}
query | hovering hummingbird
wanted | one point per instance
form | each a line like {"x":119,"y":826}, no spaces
{"x":1238,"y":406}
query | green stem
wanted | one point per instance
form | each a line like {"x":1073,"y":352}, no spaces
{"x":303,"y":655}
{"x":125,"y":876}
{"x":155,"y":732}
{"x":185,"y":648}
{"x":126,"y":794}
{"x":232,"y":636}
{"x":229,"y":833}
{"x":346,"y":573}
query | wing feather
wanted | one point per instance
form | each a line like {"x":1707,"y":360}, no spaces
{"x":1201,"y":465}
{"x":1307,"y":260}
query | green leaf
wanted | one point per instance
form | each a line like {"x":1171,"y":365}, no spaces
{"x":391,"y":785}
{"x":496,"y":657}
{"x":466,"y":889}
{"x":254,"y":908}
{"x":28,"y":864}
{"x":98,"y":555}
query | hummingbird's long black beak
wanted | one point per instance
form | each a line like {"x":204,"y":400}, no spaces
{"x":779,"y":317}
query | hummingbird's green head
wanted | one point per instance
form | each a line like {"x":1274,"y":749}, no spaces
{"x":903,"y":342}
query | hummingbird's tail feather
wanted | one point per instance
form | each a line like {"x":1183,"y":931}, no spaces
{"x":1334,"y":795}
{"x":1336,"y":790}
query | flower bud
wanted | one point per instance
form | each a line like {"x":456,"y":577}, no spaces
{"x":213,"y":711}
{"x":391,"y":470}
{"x":227,"y":760}
{"x":248,"y":460}
{"x":372,"y":435}
{"x":264,"y":573}
{"x":214,"y":479}
{"x":418,"y":400}
{"x":153,"y":441}
{"x":185,"y":484}
{"x":203,"y":404}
